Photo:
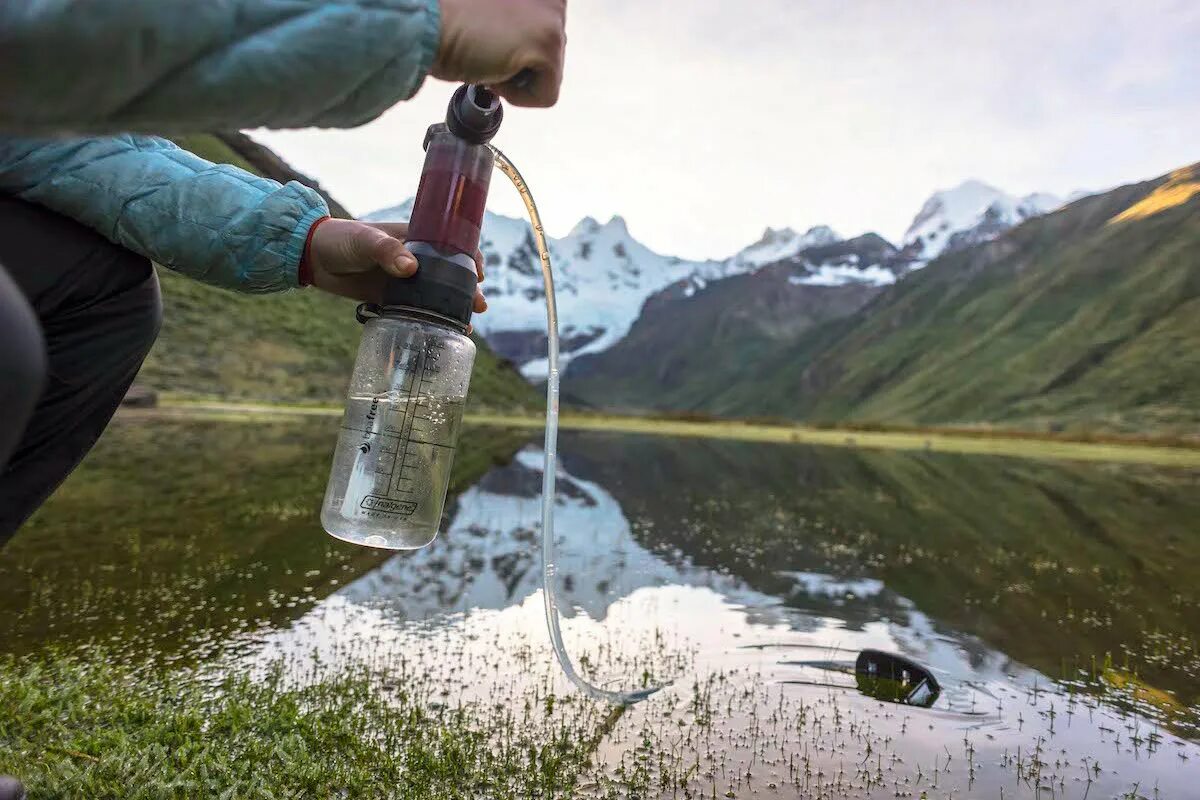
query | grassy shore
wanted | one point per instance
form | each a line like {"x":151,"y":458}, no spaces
{"x":996,"y":443}
{"x":91,"y":726}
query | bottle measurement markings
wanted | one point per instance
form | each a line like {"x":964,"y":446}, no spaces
{"x":393,"y":442}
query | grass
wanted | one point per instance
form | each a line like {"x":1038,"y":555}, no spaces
{"x":89,"y":726}
{"x":203,"y":532}
{"x":85,"y":727}
{"x":964,"y":442}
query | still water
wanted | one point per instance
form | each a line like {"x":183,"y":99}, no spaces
{"x":1056,"y":604}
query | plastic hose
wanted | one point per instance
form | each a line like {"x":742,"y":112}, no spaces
{"x":549,"y":584}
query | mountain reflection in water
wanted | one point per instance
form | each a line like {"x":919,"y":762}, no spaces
{"x":1055,"y":604}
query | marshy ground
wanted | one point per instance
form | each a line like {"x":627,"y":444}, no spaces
{"x":178,"y":625}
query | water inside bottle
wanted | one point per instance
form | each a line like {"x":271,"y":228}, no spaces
{"x":395,"y":453}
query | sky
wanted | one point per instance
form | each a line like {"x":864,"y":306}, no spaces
{"x":702,"y":122}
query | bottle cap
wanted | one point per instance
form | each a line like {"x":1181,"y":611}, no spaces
{"x":444,"y":284}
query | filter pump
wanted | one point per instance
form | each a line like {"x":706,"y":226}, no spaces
{"x":391,"y":468}
{"x":392,"y":465}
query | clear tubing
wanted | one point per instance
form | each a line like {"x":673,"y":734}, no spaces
{"x":549,"y":590}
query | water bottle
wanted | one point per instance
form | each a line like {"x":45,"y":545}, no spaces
{"x":395,"y":450}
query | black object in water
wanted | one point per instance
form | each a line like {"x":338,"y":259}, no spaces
{"x":892,"y":677}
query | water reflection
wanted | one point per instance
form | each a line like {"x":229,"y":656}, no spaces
{"x":175,"y":536}
{"x":488,"y":559}
{"x":937,"y":548}
{"x":746,"y":574}
{"x":1054,"y":605}
{"x":488,"y":555}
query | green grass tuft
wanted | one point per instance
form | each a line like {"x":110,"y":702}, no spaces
{"x":90,"y":726}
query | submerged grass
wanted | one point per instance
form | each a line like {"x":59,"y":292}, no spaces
{"x":267,"y":683}
{"x":91,"y":726}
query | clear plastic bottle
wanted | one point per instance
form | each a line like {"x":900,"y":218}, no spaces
{"x":391,"y":468}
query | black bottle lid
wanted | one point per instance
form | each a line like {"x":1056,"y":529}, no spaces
{"x":440,"y":285}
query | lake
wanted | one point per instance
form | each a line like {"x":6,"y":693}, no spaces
{"x":1057,"y":604}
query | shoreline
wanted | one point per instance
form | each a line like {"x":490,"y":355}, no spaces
{"x":1013,"y":444}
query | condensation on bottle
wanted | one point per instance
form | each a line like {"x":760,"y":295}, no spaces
{"x":395,"y":450}
{"x":399,"y":432}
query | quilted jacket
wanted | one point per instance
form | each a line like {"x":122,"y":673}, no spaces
{"x":71,"y":70}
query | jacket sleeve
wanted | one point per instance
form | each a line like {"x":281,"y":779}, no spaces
{"x":213,"y":222}
{"x":187,"y":65}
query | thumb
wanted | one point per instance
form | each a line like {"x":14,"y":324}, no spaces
{"x":371,"y":246}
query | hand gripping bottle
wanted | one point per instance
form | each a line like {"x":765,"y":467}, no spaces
{"x":392,"y":464}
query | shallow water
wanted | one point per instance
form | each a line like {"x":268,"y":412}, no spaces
{"x":1056,"y":603}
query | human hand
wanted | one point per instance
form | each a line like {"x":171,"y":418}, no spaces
{"x":490,"y":42}
{"x":354,"y":259}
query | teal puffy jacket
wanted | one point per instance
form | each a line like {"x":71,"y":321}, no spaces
{"x":193,"y":65}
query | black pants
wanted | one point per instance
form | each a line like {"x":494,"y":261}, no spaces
{"x":78,"y":315}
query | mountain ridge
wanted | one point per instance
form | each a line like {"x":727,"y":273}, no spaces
{"x":973,"y":211}
{"x":604,"y":276}
{"x":1079,"y":319}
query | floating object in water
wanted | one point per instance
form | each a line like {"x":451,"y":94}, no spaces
{"x":895,"y":678}
{"x":883,"y":676}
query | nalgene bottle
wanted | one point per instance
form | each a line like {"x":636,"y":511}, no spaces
{"x":396,"y":446}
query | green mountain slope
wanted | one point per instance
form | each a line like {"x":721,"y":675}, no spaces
{"x":690,"y":344}
{"x":1085,"y":318}
{"x":294,"y":347}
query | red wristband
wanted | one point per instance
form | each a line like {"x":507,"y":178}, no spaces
{"x":305,"y":273}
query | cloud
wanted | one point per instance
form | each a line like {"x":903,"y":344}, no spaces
{"x":702,"y":122}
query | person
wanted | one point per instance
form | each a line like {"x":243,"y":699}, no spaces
{"x":83,"y":216}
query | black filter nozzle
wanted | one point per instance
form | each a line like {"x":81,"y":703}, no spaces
{"x":474,"y":114}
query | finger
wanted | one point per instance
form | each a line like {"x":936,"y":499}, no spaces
{"x":538,"y":82}
{"x":386,"y":251}
{"x":541,"y":92}
{"x":365,"y":287}
{"x":523,"y":81}
{"x":480,"y":302}
{"x":478,"y":265}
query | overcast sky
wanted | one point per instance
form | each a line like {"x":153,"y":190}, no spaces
{"x":702,"y":122}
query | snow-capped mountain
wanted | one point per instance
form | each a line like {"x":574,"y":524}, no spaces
{"x":776,"y":245}
{"x":488,"y":557}
{"x":603,"y":275}
{"x":970,"y":213}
